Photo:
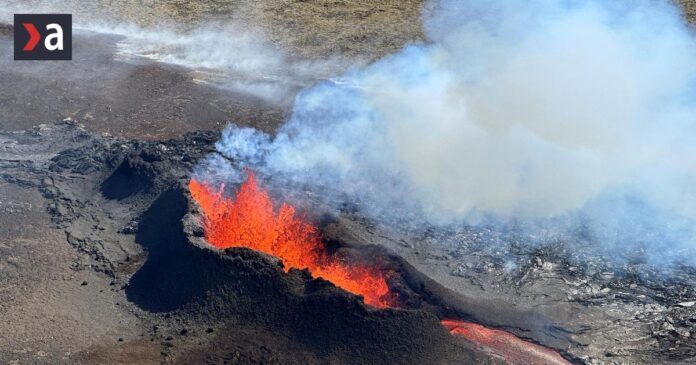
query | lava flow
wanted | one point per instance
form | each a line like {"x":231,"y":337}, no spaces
{"x":504,"y":344}
{"x":251,"y":221}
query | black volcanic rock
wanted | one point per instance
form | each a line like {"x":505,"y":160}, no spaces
{"x":122,"y":220}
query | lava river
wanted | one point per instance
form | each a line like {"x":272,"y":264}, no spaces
{"x":250,"y":220}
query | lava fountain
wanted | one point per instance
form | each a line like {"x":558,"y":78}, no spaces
{"x":251,"y":220}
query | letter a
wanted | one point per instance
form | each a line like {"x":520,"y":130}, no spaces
{"x":58,"y":36}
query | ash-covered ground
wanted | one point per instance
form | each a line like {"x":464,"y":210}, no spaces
{"x":130,"y":98}
{"x":603,"y":310}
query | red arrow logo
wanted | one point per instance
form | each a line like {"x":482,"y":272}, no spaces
{"x":34,"y":36}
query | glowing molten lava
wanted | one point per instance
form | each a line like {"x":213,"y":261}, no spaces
{"x":250,"y":220}
{"x":505,"y":344}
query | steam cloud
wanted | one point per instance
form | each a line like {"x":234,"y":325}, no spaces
{"x":563,"y":114}
{"x":569,"y":113}
{"x":228,"y":54}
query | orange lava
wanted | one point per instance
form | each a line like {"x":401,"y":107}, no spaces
{"x":250,"y":220}
{"x":504,"y":344}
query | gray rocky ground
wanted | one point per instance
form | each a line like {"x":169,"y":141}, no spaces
{"x":608,"y":311}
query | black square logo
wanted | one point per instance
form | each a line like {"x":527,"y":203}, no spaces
{"x":43,"y":37}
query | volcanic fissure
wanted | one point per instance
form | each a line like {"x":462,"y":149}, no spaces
{"x":251,"y":220}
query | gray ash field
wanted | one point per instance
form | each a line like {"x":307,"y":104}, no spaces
{"x":103,"y":257}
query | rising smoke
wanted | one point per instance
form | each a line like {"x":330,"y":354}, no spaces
{"x":581,"y":112}
{"x":228,"y":55}
{"x":231,"y":53}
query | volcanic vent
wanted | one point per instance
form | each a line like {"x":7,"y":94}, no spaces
{"x":197,"y":303}
{"x":251,"y":220}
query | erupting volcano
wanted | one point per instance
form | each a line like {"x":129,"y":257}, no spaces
{"x":251,"y":221}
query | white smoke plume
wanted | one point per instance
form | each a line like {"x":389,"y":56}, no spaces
{"x":573,"y":111}
{"x":227,"y":55}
